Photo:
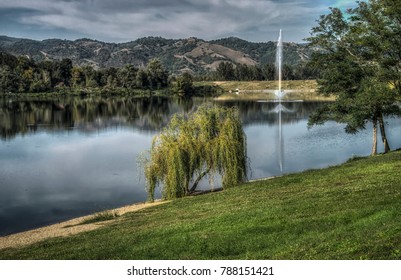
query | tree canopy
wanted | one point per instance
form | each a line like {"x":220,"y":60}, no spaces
{"x":23,"y":75}
{"x":359,"y":66}
{"x":206,"y":142}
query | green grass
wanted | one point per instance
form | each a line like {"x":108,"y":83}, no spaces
{"x":106,"y":215}
{"x":296,"y":90}
{"x":351,"y":211}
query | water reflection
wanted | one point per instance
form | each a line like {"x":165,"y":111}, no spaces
{"x":86,"y":114}
{"x":94,"y":114}
{"x":67,"y":157}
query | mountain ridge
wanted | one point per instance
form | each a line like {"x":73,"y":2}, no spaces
{"x":177,"y":55}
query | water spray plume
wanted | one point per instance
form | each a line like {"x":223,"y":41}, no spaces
{"x":279,"y":64}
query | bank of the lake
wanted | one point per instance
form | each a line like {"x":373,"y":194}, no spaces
{"x":300,"y":85}
{"x":350,"y":211}
{"x":305,"y":90}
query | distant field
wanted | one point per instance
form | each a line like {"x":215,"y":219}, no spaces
{"x":263,"y":85}
{"x":301,"y":89}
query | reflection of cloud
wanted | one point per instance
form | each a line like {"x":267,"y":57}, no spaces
{"x":75,"y":168}
{"x":125,"y":20}
{"x":63,"y":177}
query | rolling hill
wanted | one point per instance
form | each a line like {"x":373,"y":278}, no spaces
{"x":177,"y":55}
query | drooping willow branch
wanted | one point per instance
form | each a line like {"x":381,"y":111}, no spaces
{"x":210,"y":140}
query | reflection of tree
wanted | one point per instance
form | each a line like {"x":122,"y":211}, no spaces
{"x":85,"y":114}
{"x":96,"y":113}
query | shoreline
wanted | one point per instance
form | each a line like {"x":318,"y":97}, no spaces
{"x":69,"y":227}
{"x":78,"y":225}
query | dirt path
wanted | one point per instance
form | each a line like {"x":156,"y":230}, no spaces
{"x":67,"y":228}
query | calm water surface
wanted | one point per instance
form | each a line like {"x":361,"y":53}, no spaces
{"x":69,"y":157}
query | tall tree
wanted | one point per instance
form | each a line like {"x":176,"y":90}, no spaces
{"x":351,"y":72}
{"x":225,"y":71}
{"x":157,"y":75}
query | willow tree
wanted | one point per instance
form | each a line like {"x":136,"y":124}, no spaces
{"x":208,"y":141}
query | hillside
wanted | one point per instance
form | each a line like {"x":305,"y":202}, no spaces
{"x":193,"y":54}
{"x":350,"y":211}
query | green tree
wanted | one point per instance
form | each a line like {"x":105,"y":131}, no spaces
{"x":379,"y":27}
{"x":40,"y":82}
{"x":183,"y":86}
{"x":25,"y":70}
{"x":91,"y":77}
{"x":304,"y":71}
{"x":157,"y":75}
{"x":288,"y":72}
{"x":127,"y":76}
{"x":8,"y":79}
{"x":351,"y":71}
{"x":77,"y":77}
{"x":225,"y":71}
{"x":46,"y":68}
{"x":268,"y":72}
{"x":209,"y":141}
{"x":141,"y":79}
{"x":109,"y":77}
{"x":62,"y":72}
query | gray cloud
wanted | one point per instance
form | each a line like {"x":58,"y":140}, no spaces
{"x":124,"y":20}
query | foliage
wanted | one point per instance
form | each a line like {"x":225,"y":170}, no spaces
{"x":210,"y":140}
{"x":8,"y":79}
{"x":227,"y":71}
{"x":346,"y":212}
{"x":353,"y":67}
{"x":157,"y":75}
{"x":183,"y":85}
{"x":23,"y":75}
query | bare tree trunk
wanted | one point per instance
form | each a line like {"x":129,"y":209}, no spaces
{"x":198,"y":180}
{"x":374,"y":147}
{"x":383,"y":134}
{"x":187,"y":191}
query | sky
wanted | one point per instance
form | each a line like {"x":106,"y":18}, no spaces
{"x":128,"y":20}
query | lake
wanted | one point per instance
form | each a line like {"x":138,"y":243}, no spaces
{"x":70,"y":156}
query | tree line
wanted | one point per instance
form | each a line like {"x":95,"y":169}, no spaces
{"x":23,"y":75}
{"x":227,"y":71}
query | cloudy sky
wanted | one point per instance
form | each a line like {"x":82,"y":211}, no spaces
{"x":126,"y":20}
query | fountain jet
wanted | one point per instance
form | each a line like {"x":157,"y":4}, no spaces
{"x":279,"y":64}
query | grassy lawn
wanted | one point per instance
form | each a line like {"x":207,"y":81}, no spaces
{"x":351,"y":211}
